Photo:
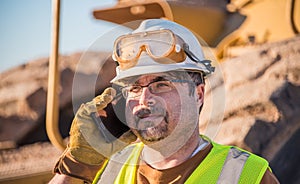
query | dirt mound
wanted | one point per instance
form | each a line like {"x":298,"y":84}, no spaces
{"x":23,"y":92}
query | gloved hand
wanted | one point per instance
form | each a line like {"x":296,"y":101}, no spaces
{"x":88,"y":144}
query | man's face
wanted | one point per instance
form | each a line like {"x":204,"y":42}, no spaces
{"x":153,"y":116}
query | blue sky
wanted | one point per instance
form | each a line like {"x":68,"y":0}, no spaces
{"x":25,"y":28}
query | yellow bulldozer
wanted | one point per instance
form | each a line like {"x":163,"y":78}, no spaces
{"x":222,"y":24}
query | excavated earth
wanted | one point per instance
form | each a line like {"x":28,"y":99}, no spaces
{"x":253,"y":101}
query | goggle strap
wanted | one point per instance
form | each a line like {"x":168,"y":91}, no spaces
{"x":191,"y":55}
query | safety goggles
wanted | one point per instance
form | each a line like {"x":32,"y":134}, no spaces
{"x":163,"y":46}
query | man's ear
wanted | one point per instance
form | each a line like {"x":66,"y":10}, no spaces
{"x":200,"y":91}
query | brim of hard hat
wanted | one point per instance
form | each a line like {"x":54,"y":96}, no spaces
{"x":158,"y":68}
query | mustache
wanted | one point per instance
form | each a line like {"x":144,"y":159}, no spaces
{"x":147,"y":111}
{"x":143,"y":113}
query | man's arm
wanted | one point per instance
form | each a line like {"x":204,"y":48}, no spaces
{"x":88,"y":149}
{"x":269,"y":178}
{"x":65,"y":179}
{"x":67,"y":165}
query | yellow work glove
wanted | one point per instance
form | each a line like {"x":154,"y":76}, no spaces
{"x":96,"y":133}
{"x":87,"y":142}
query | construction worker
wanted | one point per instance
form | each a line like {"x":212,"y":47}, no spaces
{"x":161,"y":71}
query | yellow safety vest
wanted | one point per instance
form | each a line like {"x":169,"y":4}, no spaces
{"x":223,"y":164}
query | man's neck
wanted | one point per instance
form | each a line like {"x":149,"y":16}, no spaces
{"x":156,"y":160}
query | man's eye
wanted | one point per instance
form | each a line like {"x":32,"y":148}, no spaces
{"x":162,"y":85}
{"x":134,"y":89}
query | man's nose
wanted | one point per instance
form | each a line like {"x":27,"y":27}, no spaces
{"x":146,"y":97}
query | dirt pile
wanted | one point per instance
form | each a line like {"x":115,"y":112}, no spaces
{"x":23,"y":92}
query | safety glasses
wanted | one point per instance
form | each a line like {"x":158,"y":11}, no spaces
{"x":163,"y":46}
{"x":155,"y":87}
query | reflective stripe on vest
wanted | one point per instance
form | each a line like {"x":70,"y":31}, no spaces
{"x":233,"y":166}
{"x":119,"y":167}
{"x":223,"y":164}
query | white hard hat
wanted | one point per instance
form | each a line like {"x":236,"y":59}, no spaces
{"x":146,"y":65}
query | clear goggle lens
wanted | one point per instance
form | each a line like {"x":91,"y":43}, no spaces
{"x":158,"y":44}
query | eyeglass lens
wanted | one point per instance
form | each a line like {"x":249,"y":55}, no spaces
{"x":154,"y":87}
